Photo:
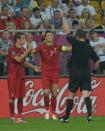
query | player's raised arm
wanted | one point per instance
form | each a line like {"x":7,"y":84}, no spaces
{"x":70,"y":34}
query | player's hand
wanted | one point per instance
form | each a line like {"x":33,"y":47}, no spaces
{"x":37,"y":69}
{"x":29,"y":49}
{"x":33,"y":51}
{"x":90,"y":93}
{"x":99,"y":46}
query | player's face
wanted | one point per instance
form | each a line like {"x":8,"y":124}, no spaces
{"x":49,"y":38}
{"x":5,"y":35}
{"x":93,"y":36}
{"x":22,"y":40}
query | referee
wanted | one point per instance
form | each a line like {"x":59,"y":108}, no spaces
{"x":80,"y":73}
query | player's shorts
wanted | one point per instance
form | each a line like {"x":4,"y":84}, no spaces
{"x":102,"y":66}
{"x":16,"y":87}
{"x":79,"y":78}
{"x":49,"y":78}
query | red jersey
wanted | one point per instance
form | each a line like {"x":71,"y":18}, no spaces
{"x":15,"y":69}
{"x":49,"y":57}
{"x":19,"y":22}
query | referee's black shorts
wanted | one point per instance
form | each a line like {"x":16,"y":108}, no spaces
{"x":80,"y":78}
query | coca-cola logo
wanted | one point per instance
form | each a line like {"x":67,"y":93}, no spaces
{"x":35,"y":99}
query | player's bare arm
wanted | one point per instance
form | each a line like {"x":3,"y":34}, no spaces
{"x":33,"y":51}
{"x":97,"y":48}
{"x":66,"y":30}
{"x":35,"y":68}
{"x":65,"y":25}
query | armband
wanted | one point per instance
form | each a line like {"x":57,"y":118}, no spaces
{"x":64,"y":48}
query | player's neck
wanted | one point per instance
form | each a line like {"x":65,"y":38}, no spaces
{"x":81,"y":39}
{"x":49,"y":43}
{"x":96,"y":39}
{"x":18,"y":45}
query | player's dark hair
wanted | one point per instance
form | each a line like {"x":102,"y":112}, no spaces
{"x":75,"y":22}
{"x":4,"y":6}
{"x":23,"y":8}
{"x":5,"y":31}
{"x":48,"y":31}
{"x":18,"y":35}
{"x":57,"y":11}
{"x":35,"y":9}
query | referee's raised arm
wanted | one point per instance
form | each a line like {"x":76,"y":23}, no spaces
{"x":70,"y":34}
{"x":65,"y":25}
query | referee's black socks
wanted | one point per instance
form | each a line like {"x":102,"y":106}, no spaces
{"x":69,"y":106}
{"x":88,"y":105}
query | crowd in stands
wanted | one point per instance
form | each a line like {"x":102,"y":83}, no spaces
{"x":47,"y":14}
{"x":41,"y":15}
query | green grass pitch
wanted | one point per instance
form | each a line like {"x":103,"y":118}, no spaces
{"x":40,"y":124}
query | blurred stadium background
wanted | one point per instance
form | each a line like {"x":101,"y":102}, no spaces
{"x":34,"y":17}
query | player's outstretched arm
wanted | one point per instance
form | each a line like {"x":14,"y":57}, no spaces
{"x":35,"y":68}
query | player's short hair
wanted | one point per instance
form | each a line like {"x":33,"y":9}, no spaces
{"x":18,"y":35}
{"x":57,"y":11}
{"x":75,"y":22}
{"x":35,"y":9}
{"x":5,"y":31}
{"x":48,"y":31}
{"x":3,"y":7}
{"x":92,"y":31}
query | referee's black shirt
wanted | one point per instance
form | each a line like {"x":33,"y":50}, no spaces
{"x":81,"y":53}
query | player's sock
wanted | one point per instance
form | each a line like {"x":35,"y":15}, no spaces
{"x":88,"y":105}
{"x":69,"y":106}
{"x":46,"y":101}
{"x":11,"y":107}
{"x":53,"y":104}
{"x":20,"y":108}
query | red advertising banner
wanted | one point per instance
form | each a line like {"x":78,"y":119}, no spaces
{"x":34,"y":101}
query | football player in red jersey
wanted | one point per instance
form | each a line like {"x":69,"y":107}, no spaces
{"x":16,"y":75}
{"x":49,"y":53}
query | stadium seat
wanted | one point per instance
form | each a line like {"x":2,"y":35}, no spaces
{"x":95,"y":4}
{"x":103,"y":5}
